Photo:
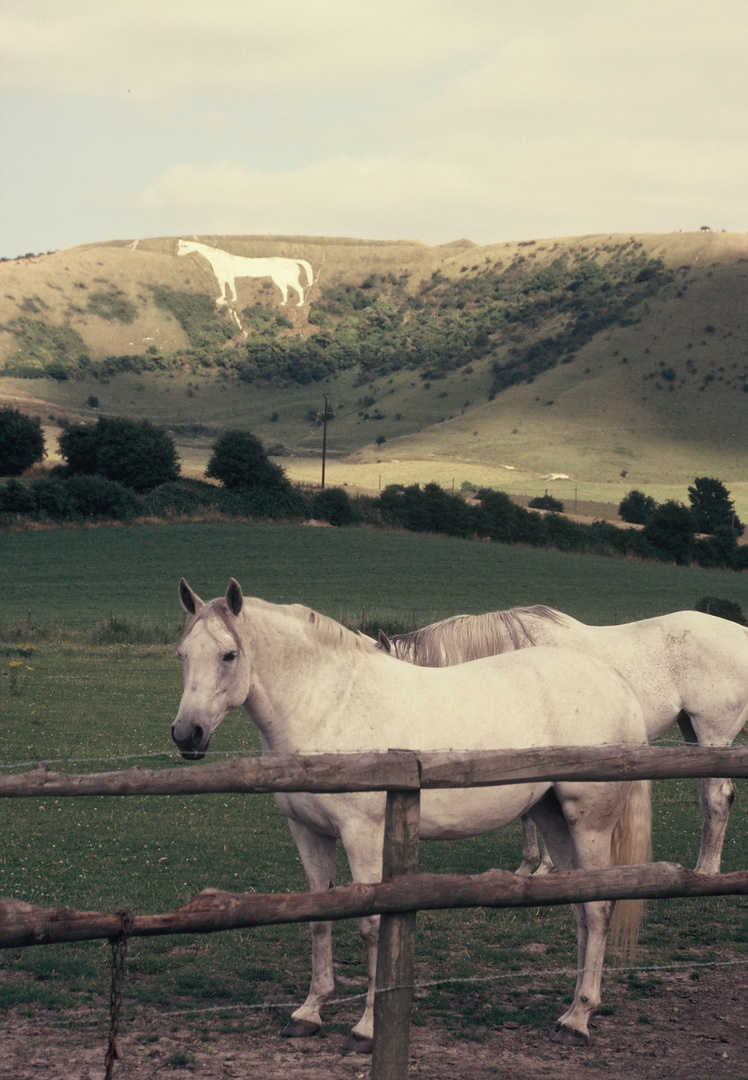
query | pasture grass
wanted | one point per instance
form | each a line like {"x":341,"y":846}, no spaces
{"x":103,"y":688}
{"x":81,"y":578}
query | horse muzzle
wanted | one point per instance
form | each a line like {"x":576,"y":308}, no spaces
{"x":192,"y":740}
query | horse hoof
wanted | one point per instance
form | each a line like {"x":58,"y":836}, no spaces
{"x":567,"y":1036}
{"x":299,"y":1029}
{"x":358,"y":1044}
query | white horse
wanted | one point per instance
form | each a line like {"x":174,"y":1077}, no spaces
{"x":285,"y":273}
{"x":686,"y":667}
{"x":311,"y":686}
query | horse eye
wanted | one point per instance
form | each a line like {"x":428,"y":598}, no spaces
{"x":229,"y":656}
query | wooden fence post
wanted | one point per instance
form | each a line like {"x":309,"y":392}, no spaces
{"x":394,"y":982}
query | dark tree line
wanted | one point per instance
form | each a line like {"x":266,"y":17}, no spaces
{"x":120,"y":468}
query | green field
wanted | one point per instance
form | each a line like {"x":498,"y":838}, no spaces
{"x":80,"y":577}
{"x":89,"y":695}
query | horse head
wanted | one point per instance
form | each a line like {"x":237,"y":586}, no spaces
{"x":215,"y":668}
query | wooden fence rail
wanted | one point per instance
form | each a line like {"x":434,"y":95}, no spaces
{"x":23,"y":924}
{"x":390,"y":772}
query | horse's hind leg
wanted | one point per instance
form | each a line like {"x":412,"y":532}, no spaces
{"x":582,"y":846}
{"x":716,"y":795}
{"x":318,"y":856}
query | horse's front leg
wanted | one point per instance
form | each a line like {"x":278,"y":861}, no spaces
{"x":318,"y":857}
{"x":363,"y":845}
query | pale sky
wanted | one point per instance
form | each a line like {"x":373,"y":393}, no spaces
{"x":487,"y":119}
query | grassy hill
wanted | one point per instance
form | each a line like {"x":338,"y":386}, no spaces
{"x":607,"y":362}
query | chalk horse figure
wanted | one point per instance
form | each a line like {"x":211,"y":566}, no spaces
{"x":686,"y":667}
{"x":312,"y":686}
{"x":285,"y":273}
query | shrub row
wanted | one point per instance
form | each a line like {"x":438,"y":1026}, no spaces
{"x":77,"y":497}
{"x":491,"y":516}
{"x":494,"y":516}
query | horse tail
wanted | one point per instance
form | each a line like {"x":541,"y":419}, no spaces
{"x":307,"y":271}
{"x":631,"y":845}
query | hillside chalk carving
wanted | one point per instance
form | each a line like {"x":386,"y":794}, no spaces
{"x":285,"y":273}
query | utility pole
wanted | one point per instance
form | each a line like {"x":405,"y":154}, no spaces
{"x":324,"y":442}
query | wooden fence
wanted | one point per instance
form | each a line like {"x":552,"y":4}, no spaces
{"x":403,"y":775}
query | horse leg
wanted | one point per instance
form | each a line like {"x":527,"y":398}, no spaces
{"x":280,"y":281}
{"x":530,"y":849}
{"x":593,"y":920}
{"x":581,"y":845}
{"x":716,"y":795}
{"x":318,"y":857}
{"x":365,"y":860}
{"x":546,"y":863}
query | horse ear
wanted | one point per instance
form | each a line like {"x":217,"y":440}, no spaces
{"x":191,"y":602}
{"x":234,"y":596}
{"x":384,"y":641}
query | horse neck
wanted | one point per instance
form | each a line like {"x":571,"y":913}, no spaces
{"x":297,"y":679}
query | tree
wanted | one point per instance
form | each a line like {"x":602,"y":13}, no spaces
{"x":637,"y":508}
{"x":712,"y":508}
{"x":722,"y":608}
{"x":496,"y":516}
{"x":135,"y":453}
{"x":21,"y":442}
{"x":671,"y":532}
{"x":240,"y":462}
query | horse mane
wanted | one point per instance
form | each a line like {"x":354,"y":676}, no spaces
{"x":471,"y":637}
{"x":327,"y":631}
{"x":217,"y":607}
{"x":330,"y":632}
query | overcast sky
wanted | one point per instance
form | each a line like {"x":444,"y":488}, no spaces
{"x":488,"y":119}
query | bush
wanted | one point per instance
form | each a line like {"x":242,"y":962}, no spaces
{"x":333,"y":505}
{"x":429,"y":510}
{"x":101,"y":499}
{"x":496,"y":516}
{"x":637,"y":508}
{"x":182,"y":498}
{"x":547,"y":502}
{"x":671,"y":531}
{"x":719,"y":550}
{"x":130,"y":452}
{"x":79,"y":497}
{"x":16,"y":499}
{"x":722,"y":608}
{"x":239,"y":461}
{"x":267,"y":503}
{"x":21,"y":442}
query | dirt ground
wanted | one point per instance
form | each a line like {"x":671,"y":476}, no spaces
{"x":688,"y":1029}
